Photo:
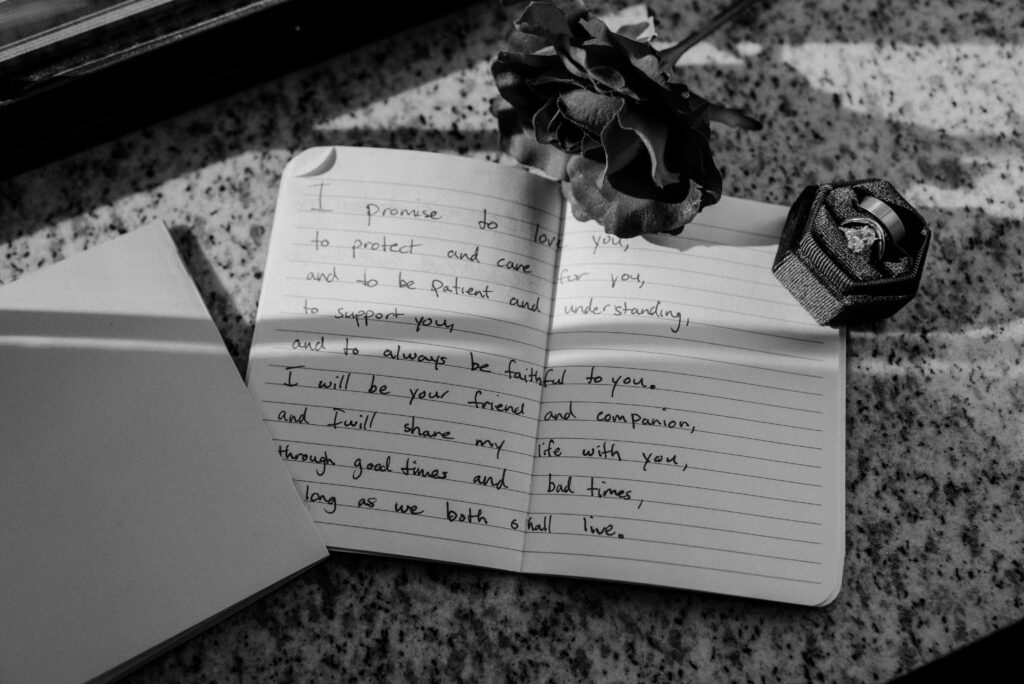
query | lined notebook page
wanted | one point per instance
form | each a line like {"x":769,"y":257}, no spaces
{"x":400,"y":344}
{"x":698,"y":438}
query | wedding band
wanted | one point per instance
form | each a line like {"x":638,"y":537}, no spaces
{"x":886,"y":216}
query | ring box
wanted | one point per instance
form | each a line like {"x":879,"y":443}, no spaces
{"x":836,"y":285}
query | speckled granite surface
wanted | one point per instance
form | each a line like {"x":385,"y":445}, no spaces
{"x":925,"y":94}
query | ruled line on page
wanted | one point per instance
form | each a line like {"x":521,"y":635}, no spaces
{"x":680,"y":447}
{"x":695,"y":468}
{"x":731,"y":571}
{"x":704,"y":510}
{"x":443,"y":242}
{"x":567,"y":300}
{"x":387,"y":452}
{"x":661,"y":483}
{"x":499,"y":338}
{"x":677,"y":355}
{"x":409,"y":415}
{"x":442,"y":205}
{"x":396,"y":270}
{"x":700,"y":547}
{"x":436,"y":537}
{"x":437,"y":188}
{"x":637,"y":369}
{"x":389,"y":376}
{"x":408,"y":309}
{"x":708,"y":528}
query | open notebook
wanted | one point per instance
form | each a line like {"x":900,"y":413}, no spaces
{"x":139,"y":494}
{"x":453,"y":368}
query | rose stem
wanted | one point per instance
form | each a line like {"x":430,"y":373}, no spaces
{"x":669,"y":56}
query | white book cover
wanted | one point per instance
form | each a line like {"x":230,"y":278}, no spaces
{"x":140,"y":494}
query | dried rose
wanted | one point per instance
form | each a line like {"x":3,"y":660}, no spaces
{"x":601,"y":111}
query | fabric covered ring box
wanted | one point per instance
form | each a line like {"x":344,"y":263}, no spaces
{"x":834,"y":283}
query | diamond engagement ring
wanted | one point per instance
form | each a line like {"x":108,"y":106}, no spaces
{"x":873,"y":233}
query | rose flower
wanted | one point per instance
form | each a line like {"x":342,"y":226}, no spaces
{"x":599,"y":110}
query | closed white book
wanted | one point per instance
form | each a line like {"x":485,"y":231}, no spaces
{"x":140,"y":494}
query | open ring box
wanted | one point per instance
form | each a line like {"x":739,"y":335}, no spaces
{"x":836,"y":285}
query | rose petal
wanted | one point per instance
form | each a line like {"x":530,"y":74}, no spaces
{"x":542,"y":122}
{"x":514,"y":76}
{"x":521,"y":144}
{"x":572,"y":9}
{"x":610,"y":79}
{"x":569,"y":135}
{"x":590,"y":111}
{"x":537,"y":61}
{"x":653,"y":133}
{"x":526,"y":43}
{"x":557,"y":77}
{"x":543,"y":19}
{"x":599,"y":65}
{"x":601,"y":61}
{"x":605,"y":68}
{"x":592,"y":149}
{"x":545,"y":158}
{"x":621,"y":147}
{"x":573,"y":59}
{"x":711,"y":188}
{"x":621,"y":214}
{"x":635,"y":180}
{"x":689,"y":153}
{"x":643,"y":32}
{"x":640,"y":55}
{"x":628,"y":167}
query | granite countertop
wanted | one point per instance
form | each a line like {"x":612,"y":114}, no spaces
{"x":927,"y":95}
